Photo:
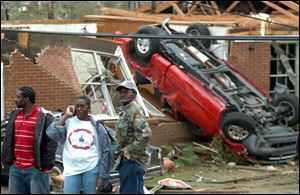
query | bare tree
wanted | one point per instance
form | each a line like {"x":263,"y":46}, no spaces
{"x":50,"y":9}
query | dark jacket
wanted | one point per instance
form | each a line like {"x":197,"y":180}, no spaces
{"x":44,"y":147}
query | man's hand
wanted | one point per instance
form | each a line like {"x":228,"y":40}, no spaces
{"x":100,"y":184}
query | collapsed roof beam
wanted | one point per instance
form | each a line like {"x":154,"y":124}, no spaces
{"x":281,"y":10}
{"x":291,"y":5}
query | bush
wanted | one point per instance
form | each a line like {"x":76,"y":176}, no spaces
{"x":224,"y":153}
{"x":167,"y":151}
{"x":188,"y":156}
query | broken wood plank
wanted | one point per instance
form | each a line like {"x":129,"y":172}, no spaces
{"x":23,"y":39}
{"x":203,"y":191}
{"x":244,"y":29}
{"x":205,"y":147}
{"x":257,"y":177}
{"x":121,"y":12}
{"x":182,"y":21}
{"x":162,"y":6}
{"x":252,"y":168}
{"x":232,"y":6}
{"x":252,"y":7}
{"x":216,"y":8}
{"x":269,"y":33}
{"x":281,"y":10}
{"x":245,"y":33}
{"x":291,"y":5}
{"x":200,"y":150}
{"x":263,"y":10}
{"x":144,"y":7}
{"x":194,"y":6}
{"x":175,"y":6}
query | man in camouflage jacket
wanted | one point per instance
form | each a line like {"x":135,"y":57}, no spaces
{"x":133,"y":136}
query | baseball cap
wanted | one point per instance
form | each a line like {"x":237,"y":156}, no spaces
{"x":127,"y":84}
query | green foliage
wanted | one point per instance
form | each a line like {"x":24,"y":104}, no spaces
{"x":38,"y":10}
{"x":188,"y":156}
{"x":76,"y":9}
{"x":224,"y":153}
{"x":167,"y":151}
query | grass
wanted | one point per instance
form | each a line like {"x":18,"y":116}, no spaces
{"x":188,"y":163}
{"x":188,"y":156}
{"x":187,"y":174}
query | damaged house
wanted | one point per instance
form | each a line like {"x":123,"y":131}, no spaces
{"x":51,"y":63}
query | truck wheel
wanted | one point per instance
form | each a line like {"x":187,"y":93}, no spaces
{"x":145,"y":47}
{"x":291,"y":102}
{"x":198,"y":30}
{"x":238,"y":126}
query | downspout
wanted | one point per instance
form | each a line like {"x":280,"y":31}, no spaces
{"x":2,"y":93}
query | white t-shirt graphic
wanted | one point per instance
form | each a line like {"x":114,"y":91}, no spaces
{"x":80,"y":149}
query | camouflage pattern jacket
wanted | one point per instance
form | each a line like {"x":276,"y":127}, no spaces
{"x":133,"y":136}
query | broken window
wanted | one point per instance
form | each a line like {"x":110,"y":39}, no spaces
{"x":284,"y":67}
{"x":98,"y":74}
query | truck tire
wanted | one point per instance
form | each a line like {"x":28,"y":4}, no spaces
{"x":238,"y":126}
{"x":198,"y":30}
{"x":145,"y":47}
{"x":292,"y":103}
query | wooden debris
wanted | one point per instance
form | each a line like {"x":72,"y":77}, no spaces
{"x":203,"y":191}
{"x":252,"y":168}
{"x":239,"y":179}
{"x":281,"y":10}
{"x":194,"y":6}
{"x":291,"y":5}
{"x":162,"y":6}
{"x":144,"y":7}
{"x":232,"y":6}
{"x":201,"y":150}
{"x":205,"y":147}
{"x":175,"y":6}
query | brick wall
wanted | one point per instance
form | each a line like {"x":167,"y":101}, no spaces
{"x":253,"y":60}
{"x":58,"y":60}
{"x":51,"y":92}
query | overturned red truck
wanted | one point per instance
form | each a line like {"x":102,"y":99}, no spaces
{"x":212,"y":96}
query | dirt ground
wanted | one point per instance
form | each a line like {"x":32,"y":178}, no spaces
{"x":275,"y":179}
{"x":250,"y":179}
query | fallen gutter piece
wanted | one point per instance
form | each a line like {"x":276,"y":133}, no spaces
{"x":207,"y":148}
{"x":203,"y":179}
{"x":203,"y":191}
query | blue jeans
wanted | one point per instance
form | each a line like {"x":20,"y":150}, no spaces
{"x":27,"y":181}
{"x":131,"y":177}
{"x":87,"y":181}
